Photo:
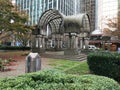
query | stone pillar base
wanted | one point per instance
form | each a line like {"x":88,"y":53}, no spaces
{"x":38,"y":50}
{"x":42,"y":50}
{"x":71,"y":52}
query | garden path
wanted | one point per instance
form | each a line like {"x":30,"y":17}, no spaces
{"x":19,"y":67}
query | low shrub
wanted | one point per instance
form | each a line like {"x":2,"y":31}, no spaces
{"x":14,"y":48}
{"x":1,"y":65}
{"x":105,"y":63}
{"x":4,"y":63}
{"x":55,"y":80}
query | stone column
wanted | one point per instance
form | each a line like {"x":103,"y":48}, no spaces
{"x":61,"y":43}
{"x":86,"y":43}
{"x":43,"y":42}
{"x":67,"y":41}
{"x":36,"y":42}
{"x":81,"y":43}
{"x":57,"y":42}
{"x":70,"y":41}
{"x":39,"y":42}
{"x":75,"y":42}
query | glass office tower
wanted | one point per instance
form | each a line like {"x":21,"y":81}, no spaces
{"x":119,"y":14}
{"x":66,"y":7}
{"x":33,"y":9}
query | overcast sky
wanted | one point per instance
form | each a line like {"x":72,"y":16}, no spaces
{"x":13,"y":1}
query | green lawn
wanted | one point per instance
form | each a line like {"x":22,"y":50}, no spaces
{"x":71,"y":67}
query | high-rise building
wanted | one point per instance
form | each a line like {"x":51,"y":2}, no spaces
{"x":88,"y":6}
{"x":66,"y":7}
{"x":33,"y":9}
{"x":119,"y":14}
{"x":108,"y":9}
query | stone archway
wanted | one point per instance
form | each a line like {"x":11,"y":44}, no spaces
{"x":61,"y":28}
{"x":76,"y":29}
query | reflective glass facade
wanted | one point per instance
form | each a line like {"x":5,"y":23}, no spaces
{"x":107,"y":9}
{"x":66,"y":7}
{"x":33,"y":9}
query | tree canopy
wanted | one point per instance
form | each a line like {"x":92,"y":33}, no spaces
{"x":11,"y":18}
{"x":14,"y":21}
{"x":112,"y":28}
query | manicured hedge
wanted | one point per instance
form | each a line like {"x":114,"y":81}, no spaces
{"x":14,"y":48}
{"x":105,"y":63}
{"x":54,"y":80}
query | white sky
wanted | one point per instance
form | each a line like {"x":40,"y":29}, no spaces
{"x":13,"y":1}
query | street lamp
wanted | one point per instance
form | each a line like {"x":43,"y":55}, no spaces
{"x":13,"y":36}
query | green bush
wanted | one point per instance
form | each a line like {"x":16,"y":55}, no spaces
{"x":1,"y":65}
{"x":4,"y":62}
{"x":14,"y":48}
{"x":105,"y":63}
{"x":54,"y":80}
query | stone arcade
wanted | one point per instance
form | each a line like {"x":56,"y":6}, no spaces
{"x":55,"y":30}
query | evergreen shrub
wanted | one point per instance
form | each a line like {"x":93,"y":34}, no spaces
{"x":55,"y":80}
{"x":105,"y":64}
{"x":14,"y":48}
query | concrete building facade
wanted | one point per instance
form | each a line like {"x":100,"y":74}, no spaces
{"x":109,"y":23}
{"x":107,"y":9}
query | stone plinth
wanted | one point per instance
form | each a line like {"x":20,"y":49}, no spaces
{"x":71,"y":52}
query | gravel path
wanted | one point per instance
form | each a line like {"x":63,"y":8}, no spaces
{"x":19,"y":68}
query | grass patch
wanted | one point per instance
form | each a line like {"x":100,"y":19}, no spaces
{"x":71,"y":67}
{"x":62,"y":64}
{"x":80,"y":69}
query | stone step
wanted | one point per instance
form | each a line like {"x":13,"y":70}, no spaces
{"x":80,"y":57}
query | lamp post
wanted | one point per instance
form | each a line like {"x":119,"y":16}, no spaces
{"x":13,"y":36}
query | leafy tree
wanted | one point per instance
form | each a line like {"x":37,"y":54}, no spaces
{"x":5,"y":13}
{"x":113,"y":27}
{"x":13,"y":21}
{"x":9,"y":13}
{"x":24,"y":39}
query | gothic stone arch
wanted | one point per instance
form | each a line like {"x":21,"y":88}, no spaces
{"x":56,"y":26}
